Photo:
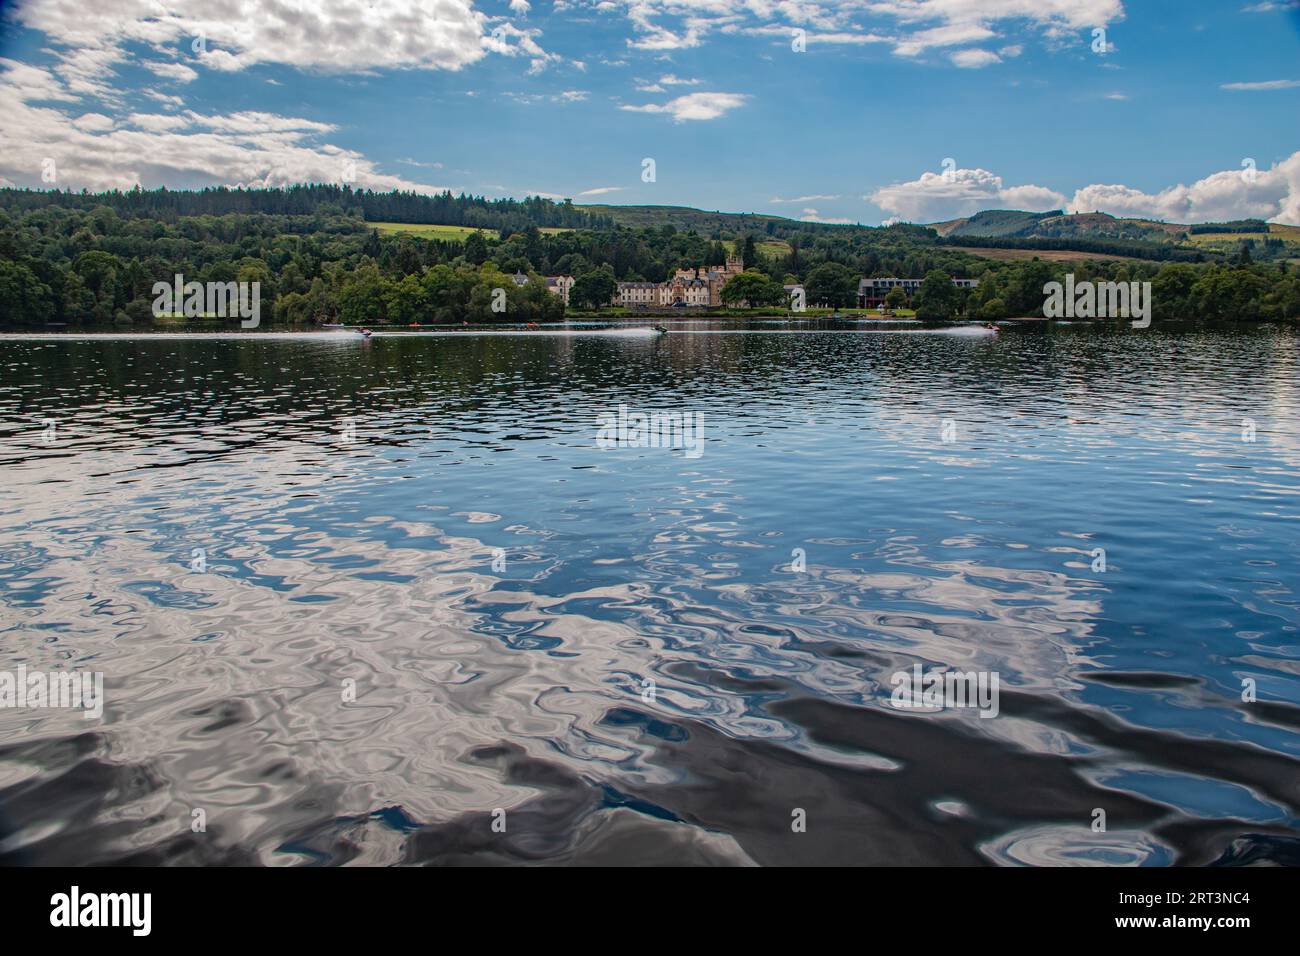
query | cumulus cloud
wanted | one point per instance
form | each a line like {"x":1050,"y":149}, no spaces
{"x":961,"y":192}
{"x":95,"y":151}
{"x":230,"y":35}
{"x":694,"y":106}
{"x":1249,"y":193}
{"x":1272,"y":194}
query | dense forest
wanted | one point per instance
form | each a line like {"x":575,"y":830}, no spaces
{"x":83,"y":260}
{"x":170,"y":205}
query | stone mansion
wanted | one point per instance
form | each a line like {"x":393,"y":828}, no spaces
{"x":700,"y":288}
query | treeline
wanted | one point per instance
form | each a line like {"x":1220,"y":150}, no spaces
{"x":306,"y":200}
{"x":1242,"y":291}
{"x":1239,"y":225}
{"x":64,"y":264}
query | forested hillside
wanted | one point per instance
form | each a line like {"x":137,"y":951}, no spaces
{"x":305,"y":200}
{"x":93,"y":260}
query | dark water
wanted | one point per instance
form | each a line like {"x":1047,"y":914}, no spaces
{"x":480,"y":688}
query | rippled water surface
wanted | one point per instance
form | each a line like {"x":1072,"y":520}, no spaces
{"x":498,"y":592}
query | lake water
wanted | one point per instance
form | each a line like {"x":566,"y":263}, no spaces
{"x":392,"y":602}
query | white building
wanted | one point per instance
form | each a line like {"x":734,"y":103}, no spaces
{"x":560,"y":285}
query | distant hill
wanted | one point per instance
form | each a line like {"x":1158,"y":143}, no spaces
{"x":1011,"y":223}
{"x":684,"y":217}
{"x":994,"y":223}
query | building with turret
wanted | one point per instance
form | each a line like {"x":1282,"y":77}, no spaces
{"x":696,"y":288}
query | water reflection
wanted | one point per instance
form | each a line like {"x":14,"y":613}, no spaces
{"x":372,"y":559}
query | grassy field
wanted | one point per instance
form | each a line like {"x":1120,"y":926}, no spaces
{"x":432,"y":231}
{"x":768,"y":247}
{"x":1048,"y":255}
{"x":1275,"y":231}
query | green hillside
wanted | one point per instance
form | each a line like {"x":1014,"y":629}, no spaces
{"x":699,"y":220}
{"x":1009,"y":228}
{"x":995,"y":223}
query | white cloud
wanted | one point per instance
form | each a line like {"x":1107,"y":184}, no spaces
{"x":1272,"y":194}
{"x":974,"y":59}
{"x":601,"y":191}
{"x":1264,"y":85}
{"x":935,"y":197}
{"x":94,"y":151}
{"x":952,"y":34}
{"x":668,"y":79}
{"x":567,"y":96}
{"x":801,"y":199}
{"x":917,"y":25}
{"x":783,"y":33}
{"x":31,"y":83}
{"x":509,"y":40}
{"x":165,"y":98}
{"x":157,"y":122}
{"x":172,"y":71}
{"x":694,"y":106}
{"x":96,"y":122}
{"x":810,"y":215}
{"x":1052,"y":14}
{"x":340,"y":36}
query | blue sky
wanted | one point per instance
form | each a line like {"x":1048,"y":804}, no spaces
{"x":507,"y":97}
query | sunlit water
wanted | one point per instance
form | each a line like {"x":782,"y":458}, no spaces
{"x":639,"y":656}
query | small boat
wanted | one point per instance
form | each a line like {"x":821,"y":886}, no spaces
{"x":365,"y":333}
{"x":661,"y":330}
